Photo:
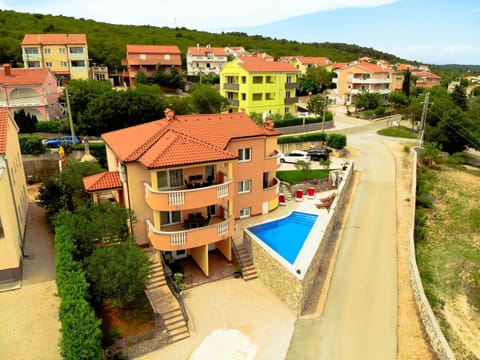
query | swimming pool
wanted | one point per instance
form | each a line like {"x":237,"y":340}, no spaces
{"x":286,"y":236}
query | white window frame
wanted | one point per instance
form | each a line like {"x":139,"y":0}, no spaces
{"x":244,"y":155}
{"x":170,"y":176}
{"x":171,"y":215}
{"x":245,"y":212}
{"x":61,"y":50}
{"x":48,"y":64}
{"x":244,"y":186}
{"x":47,"y":50}
{"x":63,"y":63}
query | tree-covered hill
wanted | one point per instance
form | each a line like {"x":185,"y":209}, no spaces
{"x":107,"y":42}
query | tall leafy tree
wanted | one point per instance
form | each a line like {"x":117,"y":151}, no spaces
{"x":368,"y":101}
{"x":320,"y":76}
{"x":82,"y":92}
{"x":459,"y":97}
{"x":207,"y":100}
{"x":141,"y":78}
{"x":26,"y":122}
{"x":316,"y":105}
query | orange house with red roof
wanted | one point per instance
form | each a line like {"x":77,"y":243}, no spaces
{"x":148,"y":58}
{"x":188,"y":177}
{"x":33,"y":90}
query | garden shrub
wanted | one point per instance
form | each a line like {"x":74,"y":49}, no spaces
{"x":31,"y":144}
{"x":318,"y":136}
{"x":337,"y":141}
{"x":47,"y":126}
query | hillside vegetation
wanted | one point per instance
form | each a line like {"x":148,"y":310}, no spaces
{"x":106,"y":42}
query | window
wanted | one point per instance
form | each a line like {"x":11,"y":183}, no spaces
{"x":170,"y":217}
{"x":63,"y":63}
{"x":48,"y":64}
{"x":61,"y":50}
{"x":2,"y":233}
{"x":289,"y":79}
{"x":47,"y":50}
{"x":269,"y":79}
{"x":244,"y":96}
{"x":270,"y":96}
{"x":76,"y":50}
{"x":167,"y":57}
{"x":34,"y":64}
{"x":244,"y":79}
{"x":244,"y":154}
{"x":169,"y":178}
{"x":257,"y":79}
{"x":244,"y":186}
{"x":257,"y":97}
{"x":230,"y":80}
{"x":230,"y":95}
{"x":244,"y":212}
{"x":78,"y":63}
{"x":31,"y":51}
{"x":287,"y":110}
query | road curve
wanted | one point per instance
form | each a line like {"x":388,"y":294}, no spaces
{"x":359,"y":320}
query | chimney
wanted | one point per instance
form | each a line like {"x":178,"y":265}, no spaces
{"x":6,"y":69}
{"x":198,"y":46}
{"x":169,"y":114}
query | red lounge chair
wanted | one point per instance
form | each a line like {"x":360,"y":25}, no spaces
{"x":299,"y":195}
{"x":325,"y":203}
{"x":311,"y":193}
{"x":281,"y":200}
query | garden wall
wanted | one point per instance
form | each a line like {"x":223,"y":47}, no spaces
{"x":299,"y":129}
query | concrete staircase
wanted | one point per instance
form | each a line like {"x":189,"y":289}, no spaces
{"x":165,"y":303}
{"x":285,"y":190}
{"x":248,"y":271}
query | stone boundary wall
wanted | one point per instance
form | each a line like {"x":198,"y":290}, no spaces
{"x":299,"y":129}
{"x":293,"y":289}
{"x":432,"y":328}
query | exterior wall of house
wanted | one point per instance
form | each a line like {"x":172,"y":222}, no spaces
{"x":70,"y":60}
{"x":13,"y":209}
{"x":258,"y":92}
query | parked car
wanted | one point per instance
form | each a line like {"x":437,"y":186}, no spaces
{"x":62,"y":141}
{"x":319,"y":154}
{"x":294,"y":156}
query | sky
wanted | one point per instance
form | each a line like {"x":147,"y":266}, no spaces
{"x":428,"y":31}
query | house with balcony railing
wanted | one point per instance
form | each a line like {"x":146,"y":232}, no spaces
{"x":206,"y":60}
{"x":66,"y":55}
{"x":255,"y":85}
{"x":187,"y":178}
{"x":33,"y":90}
{"x":360,"y":76}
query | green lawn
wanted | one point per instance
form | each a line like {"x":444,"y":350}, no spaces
{"x":296,"y":176}
{"x":398,"y":131}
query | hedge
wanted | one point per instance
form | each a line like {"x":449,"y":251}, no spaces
{"x":81,"y":333}
{"x":31,"y":144}
{"x":337,"y":141}
{"x":48,"y":126}
{"x":301,"y":120}
{"x":317,"y":136}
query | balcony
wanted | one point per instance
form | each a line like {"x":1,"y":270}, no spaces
{"x":271,"y":191}
{"x":292,"y":85}
{"x":270,"y":163}
{"x":184,"y":199}
{"x":233,"y":102}
{"x":291,"y":100}
{"x":370,"y":81}
{"x":228,"y":86}
{"x":174,"y":238}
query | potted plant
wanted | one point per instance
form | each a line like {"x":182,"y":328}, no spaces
{"x":237,"y":271}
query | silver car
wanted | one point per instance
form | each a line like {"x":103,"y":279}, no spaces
{"x":294,"y":156}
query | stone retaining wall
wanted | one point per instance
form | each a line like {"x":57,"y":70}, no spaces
{"x":298,"y":129}
{"x":432,"y":328}
{"x":293,"y":289}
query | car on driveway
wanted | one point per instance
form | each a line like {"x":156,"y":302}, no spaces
{"x":62,"y":141}
{"x":294,"y":156}
{"x":319,"y":154}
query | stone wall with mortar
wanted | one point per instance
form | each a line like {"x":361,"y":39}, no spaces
{"x":293,"y":290}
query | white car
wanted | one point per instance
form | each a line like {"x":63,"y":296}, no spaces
{"x":294,"y":156}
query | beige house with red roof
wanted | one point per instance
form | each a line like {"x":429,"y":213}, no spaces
{"x":66,"y":55}
{"x":426,"y":80}
{"x":14,"y":202}
{"x":254,"y":85}
{"x":148,"y":58}
{"x":33,"y":90}
{"x":303,"y":63}
{"x":358,"y":76}
{"x":206,"y":60}
{"x":188,"y":177}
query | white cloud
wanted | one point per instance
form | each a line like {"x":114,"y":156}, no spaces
{"x":193,"y":14}
{"x":439,"y":54}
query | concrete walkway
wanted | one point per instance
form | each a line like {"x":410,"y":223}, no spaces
{"x":29,"y":316}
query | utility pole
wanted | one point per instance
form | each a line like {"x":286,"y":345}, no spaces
{"x":72,"y":129}
{"x":421,"y":127}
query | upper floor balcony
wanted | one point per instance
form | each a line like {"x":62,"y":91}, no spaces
{"x":231,"y":86}
{"x":271,"y":162}
{"x":369,"y":80}
{"x":234,"y":102}
{"x":184,"y":198}
{"x":292,"y":85}
{"x":174,"y":237}
{"x":291,"y":100}
{"x":271,"y":190}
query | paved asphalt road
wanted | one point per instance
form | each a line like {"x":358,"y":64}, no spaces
{"x":359,"y":320}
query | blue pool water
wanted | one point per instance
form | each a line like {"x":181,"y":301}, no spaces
{"x":287,"y":235}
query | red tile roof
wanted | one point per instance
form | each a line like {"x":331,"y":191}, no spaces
{"x":256,"y":64}
{"x":102,"y":181}
{"x":54,"y":39}
{"x":374,"y":68}
{"x":21,"y":76}
{"x":3,"y":130}
{"x":315,"y":60}
{"x":200,"y":51}
{"x":153,"y":55}
{"x":339,"y":65}
{"x":187,"y":139}
{"x":426,"y":75}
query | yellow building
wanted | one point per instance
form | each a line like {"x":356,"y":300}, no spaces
{"x":14,"y":201}
{"x":66,"y":55}
{"x":253,"y":85}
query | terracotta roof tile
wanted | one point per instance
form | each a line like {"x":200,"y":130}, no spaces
{"x":153,"y":49}
{"x":54,"y":39}
{"x":3,"y":130}
{"x":200,"y":51}
{"x":426,"y":74}
{"x":153,"y":55}
{"x":187,"y":139}
{"x":21,"y":76}
{"x":102,"y":181}
{"x":316,"y":60}
{"x":255,"y":64}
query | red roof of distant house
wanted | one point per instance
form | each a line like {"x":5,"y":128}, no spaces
{"x":339,"y":65}
{"x":256,"y":64}
{"x":425,"y":74}
{"x":374,"y":68}
{"x":102,"y":181}
{"x":405,"y":67}
{"x":184,"y":140}
{"x":54,"y":39}
{"x":3,"y":130}
{"x":315,"y":60}
{"x":153,"y":54}
{"x":21,"y":76}
{"x":200,"y":51}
